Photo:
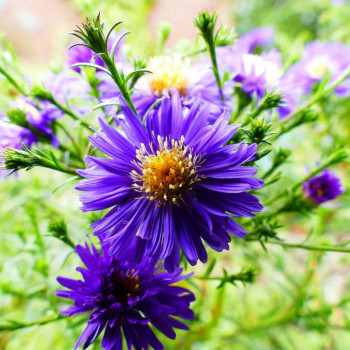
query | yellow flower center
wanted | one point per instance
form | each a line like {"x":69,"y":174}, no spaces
{"x":318,"y":67}
{"x":169,"y":72}
{"x":167,"y":173}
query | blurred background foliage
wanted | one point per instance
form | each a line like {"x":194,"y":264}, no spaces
{"x":300,"y":299}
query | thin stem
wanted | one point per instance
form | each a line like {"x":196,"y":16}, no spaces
{"x":15,"y":160}
{"x":206,"y":25}
{"x":208,"y":278}
{"x":212,"y":53}
{"x":69,"y":112}
{"x":318,"y":248}
{"x":19,"y":325}
{"x":62,"y":168}
{"x":74,"y":143}
{"x":12,"y":81}
{"x":270,"y":171}
{"x":195,"y":52}
{"x":116,"y":77}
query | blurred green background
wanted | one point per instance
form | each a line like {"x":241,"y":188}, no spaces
{"x":300,"y":299}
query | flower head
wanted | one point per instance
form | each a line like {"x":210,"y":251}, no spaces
{"x":323,"y":188}
{"x":318,"y":60}
{"x":170,"y":185}
{"x":39,"y":118}
{"x":255,"y":73}
{"x":126,"y":298}
{"x":173,"y":73}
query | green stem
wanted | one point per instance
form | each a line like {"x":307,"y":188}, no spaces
{"x":115,"y":76}
{"x":270,"y":171}
{"x":195,"y":52}
{"x":212,"y":53}
{"x":61,"y":168}
{"x":78,"y":154}
{"x":12,"y":81}
{"x":318,"y":248}
{"x":19,"y":325}
{"x":69,"y":112}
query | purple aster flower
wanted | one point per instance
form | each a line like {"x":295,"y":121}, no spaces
{"x":255,"y":73}
{"x":171,"y":184}
{"x":323,"y":188}
{"x":38,"y":117}
{"x":261,"y":36}
{"x":318,"y":60}
{"x":126,"y":298}
{"x":192,"y":81}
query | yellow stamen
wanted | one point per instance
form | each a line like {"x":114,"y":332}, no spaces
{"x":169,"y":72}
{"x":166,"y":174}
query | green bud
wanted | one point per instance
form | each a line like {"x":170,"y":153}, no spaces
{"x":41,"y":93}
{"x":246,"y":275}
{"x":18,"y":117}
{"x":263,"y":229}
{"x":58,"y":229}
{"x":92,"y":35}
{"x":225,"y":36}
{"x":206,"y":24}
{"x":280,"y":156}
{"x":15,"y":160}
{"x":164,"y":32}
{"x":273,"y":100}
{"x":259,"y":132}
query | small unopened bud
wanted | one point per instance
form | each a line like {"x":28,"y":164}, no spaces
{"x":58,"y":229}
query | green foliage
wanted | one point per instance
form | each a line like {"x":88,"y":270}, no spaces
{"x":295,"y":257}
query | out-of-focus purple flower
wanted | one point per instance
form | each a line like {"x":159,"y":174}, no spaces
{"x":79,"y":54}
{"x":323,"y":188}
{"x":124,"y":298}
{"x":171,"y":184}
{"x":261,"y":36}
{"x":192,"y":81}
{"x":292,"y":93}
{"x":318,"y":60}
{"x":339,"y":2}
{"x":255,"y":73}
{"x":38,"y":117}
{"x":69,"y":89}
